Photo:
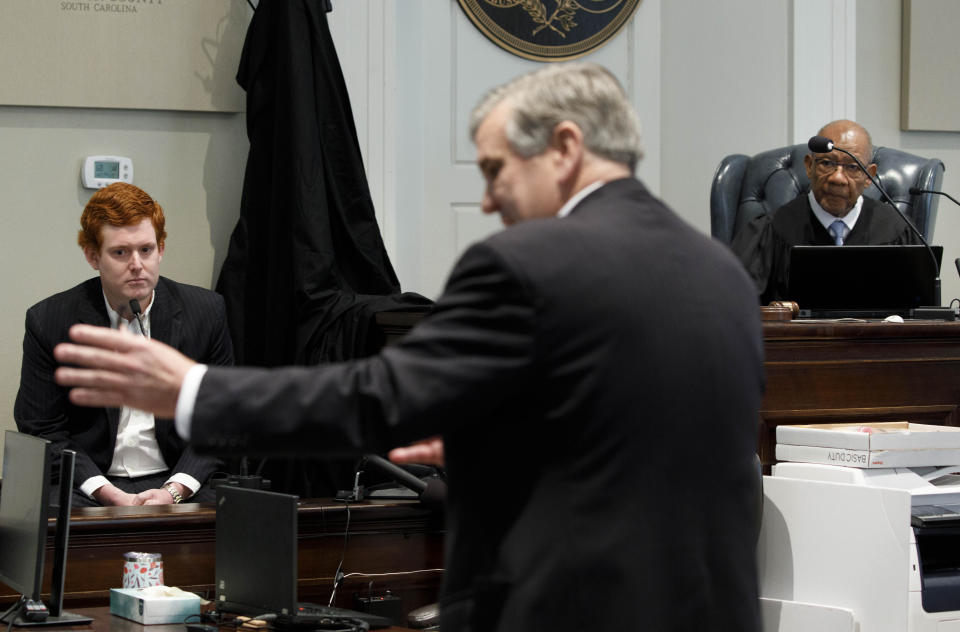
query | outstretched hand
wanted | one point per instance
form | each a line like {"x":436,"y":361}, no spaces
{"x":427,"y":452}
{"x":118,"y":369}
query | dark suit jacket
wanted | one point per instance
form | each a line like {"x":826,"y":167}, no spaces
{"x":596,"y":380}
{"x":764,"y":244}
{"x":186,"y":317}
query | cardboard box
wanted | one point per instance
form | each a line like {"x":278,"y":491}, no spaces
{"x":867,"y":458}
{"x":867,"y":445}
{"x":133,"y":604}
{"x":887,"y":435}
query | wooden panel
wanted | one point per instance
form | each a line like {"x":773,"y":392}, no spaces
{"x":385,"y":537}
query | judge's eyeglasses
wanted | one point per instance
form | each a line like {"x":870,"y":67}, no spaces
{"x":825,"y":167}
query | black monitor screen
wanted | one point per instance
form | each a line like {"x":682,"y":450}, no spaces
{"x":23,"y":512}
{"x":256,"y":551}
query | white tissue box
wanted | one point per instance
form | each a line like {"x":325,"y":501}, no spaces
{"x":133,"y":604}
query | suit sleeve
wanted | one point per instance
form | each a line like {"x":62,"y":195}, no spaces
{"x":219,"y":352}
{"x":470,"y":358}
{"x":42,"y":407}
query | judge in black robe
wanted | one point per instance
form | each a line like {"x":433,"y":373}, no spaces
{"x":836,"y":187}
{"x":763,"y":245}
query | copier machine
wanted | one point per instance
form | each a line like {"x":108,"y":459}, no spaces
{"x":860,"y":550}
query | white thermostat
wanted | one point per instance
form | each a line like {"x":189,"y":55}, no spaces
{"x":100,"y":171}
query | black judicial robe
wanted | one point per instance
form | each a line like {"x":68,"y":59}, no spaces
{"x":306,"y":269}
{"x":763,"y":245}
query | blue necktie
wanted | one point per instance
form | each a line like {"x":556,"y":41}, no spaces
{"x":837,"y":229}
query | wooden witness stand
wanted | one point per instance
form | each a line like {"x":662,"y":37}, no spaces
{"x":385,"y":537}
{"x":103,"y":621}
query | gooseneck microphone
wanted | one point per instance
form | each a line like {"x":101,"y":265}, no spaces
{"x":432,"y":492}
{"x":916,"y":191}
{"x":135,"y":308}
{"x":823,"y":145}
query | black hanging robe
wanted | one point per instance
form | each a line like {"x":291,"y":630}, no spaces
{"x":306,"y":269}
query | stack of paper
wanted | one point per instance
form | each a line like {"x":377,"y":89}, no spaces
{"x":881,"y":444}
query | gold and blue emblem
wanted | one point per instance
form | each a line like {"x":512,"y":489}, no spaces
{"x":549,"y":30}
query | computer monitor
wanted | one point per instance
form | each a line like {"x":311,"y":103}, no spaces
{"x":256,"y":551}
{"x":256,"y":563}
{"x":867,"y":281}
{"x":24,"y":502}
{"x":23,"y":512}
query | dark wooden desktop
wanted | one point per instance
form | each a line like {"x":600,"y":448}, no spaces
{"x":397,"y":537}
{"x":103,"y":621}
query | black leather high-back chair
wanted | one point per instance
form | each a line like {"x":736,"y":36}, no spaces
{"x":745,"y":187}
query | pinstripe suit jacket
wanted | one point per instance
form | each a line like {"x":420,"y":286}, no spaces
{"x":186,"y":317}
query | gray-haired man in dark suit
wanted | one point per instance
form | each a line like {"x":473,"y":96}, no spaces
{"x":593,"y":374}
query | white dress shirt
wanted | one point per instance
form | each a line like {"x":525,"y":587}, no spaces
{"x":579,"y":195}
{"x":136,"y":452}
{"x":825,"y":218}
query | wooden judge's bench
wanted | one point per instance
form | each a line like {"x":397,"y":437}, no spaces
{"x":849,"y":371}
{"x":392,"y":545}
{"x":817,"y":372}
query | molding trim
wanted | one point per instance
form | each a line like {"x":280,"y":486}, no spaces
{"x":366,"y":40}
{"x":824,"y":64}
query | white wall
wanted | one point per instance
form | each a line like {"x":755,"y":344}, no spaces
{"x":724,"y":89}
{"x":878,"y":109}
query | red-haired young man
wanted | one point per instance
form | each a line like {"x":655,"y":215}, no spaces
{"x":124,"y":456}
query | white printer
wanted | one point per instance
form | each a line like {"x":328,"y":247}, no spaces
{"x":857,"y":549}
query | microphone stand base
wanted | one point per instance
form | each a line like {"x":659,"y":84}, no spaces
{"x":249,"y":482}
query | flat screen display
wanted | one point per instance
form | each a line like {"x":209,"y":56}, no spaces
{"x":104,"y":169}
{"x":256,"y":559}
{"x":23,"y":512}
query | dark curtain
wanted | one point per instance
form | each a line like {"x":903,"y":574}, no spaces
{"x":306,"y":270}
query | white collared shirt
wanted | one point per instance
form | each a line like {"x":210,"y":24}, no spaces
{"x":137,"y":452}
{"x":579,"y":195}
{"x":825,"y":218}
